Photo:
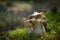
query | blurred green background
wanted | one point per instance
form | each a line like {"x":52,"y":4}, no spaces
{"x":12,"y":13}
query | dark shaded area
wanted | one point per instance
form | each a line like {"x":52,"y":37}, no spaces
{"x":9,"y":4}
{"x":11,"y":26}
{"x":2,"y":8}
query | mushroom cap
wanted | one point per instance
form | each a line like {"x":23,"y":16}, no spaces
{"x":35,"y":13}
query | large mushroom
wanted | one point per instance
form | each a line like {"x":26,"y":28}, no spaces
{"x":38,"y":22}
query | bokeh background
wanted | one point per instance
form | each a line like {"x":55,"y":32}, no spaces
{"x":12,"y":13}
